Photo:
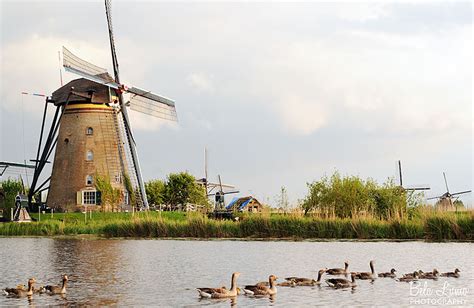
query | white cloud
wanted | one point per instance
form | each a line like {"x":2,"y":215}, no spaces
{"x":201,"y":82}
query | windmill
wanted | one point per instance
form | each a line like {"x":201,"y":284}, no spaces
{"x":92,"y":134}
{"x":215,"y":189}
{"x":410,"y":188}
{"x":446,"y":200}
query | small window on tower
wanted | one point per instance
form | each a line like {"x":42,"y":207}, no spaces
{"x":89,"y":180}
{"x":89,"y":156}
{"x":90,"y":131}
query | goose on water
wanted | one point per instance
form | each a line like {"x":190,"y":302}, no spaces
{"x":339,"y":283}
{"x":390,"y":274}
{"x":20,"y":291}
{"x":409,"y":277}
{"x":430,"y":275}
{"x":222,"y":292}
{"x":454,"y":274}
{"x":339,"y":271}
{"x":57,"y":289}
{"x":308,"y":281}
{"x":260,"y":289}
{"x":367,"y":275}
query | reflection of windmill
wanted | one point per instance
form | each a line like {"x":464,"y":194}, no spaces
{"x":446,"y":200}
{"x":92,"y":134}
{"x":215,"y":189}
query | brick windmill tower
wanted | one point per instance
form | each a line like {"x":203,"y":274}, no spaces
{"x":92,"y":137}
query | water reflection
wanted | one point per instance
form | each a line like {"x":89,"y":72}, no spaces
{"x":165,"y":273}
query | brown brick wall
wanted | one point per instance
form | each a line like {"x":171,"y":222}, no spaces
{"x":70,"y":167}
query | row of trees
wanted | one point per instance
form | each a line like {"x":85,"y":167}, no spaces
{"x":177,"y":190}
{"x":349,"y":196}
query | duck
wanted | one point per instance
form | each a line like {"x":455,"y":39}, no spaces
{"x":430,"y":275}
{"x":367,"y":275}
{"x":454,"y":274}
{"x":390,"y":274}
{"x":20,"y":291}
{"x":409,"y":277}
{"x":222,"y":292}
{"x":260,"y":289}
{"x":339,"y":271}
{"x":338,"y":283}
{"x":57,"y":289}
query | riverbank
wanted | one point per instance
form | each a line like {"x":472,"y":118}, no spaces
{"x":434,"y":227}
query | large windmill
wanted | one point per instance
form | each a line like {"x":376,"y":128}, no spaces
{"x":445,"y":201}
{"x":92,"y":134}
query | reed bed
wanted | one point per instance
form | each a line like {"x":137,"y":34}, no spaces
{"x":434,"y":226}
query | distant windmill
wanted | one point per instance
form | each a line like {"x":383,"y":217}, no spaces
{"x":410,"y":188}
{"x":446,"y":200}
{"x":215,"y":189}
{"x":92,"y":134}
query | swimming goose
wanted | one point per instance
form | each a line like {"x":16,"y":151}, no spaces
{"x":339,"y":283}
{"x":454,"y":274}
{"x":20,"y":292}
{"x":339,"y":271}
{"x":57,"y":289}
{"x":430,"y":275}
{"x":390,"y":274}
{"x":221,"y":292}
{"x":260,"y":289}
{"x":367,"y":275}
{"x":308,"y":281}
{"x":409,"y":277}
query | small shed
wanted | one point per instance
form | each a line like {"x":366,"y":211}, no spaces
{"x":245,"y":204}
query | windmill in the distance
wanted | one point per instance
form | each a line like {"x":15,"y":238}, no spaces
{"x":92,"y":134}
{"x":215,"y":189}
{"x":408,"y":188}
{"x":445,"y":201}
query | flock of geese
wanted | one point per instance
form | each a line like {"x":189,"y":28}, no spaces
{"x":22,"y":291}
{"x":269,"y":288}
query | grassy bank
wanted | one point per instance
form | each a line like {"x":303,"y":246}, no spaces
{"x":429,"y":226}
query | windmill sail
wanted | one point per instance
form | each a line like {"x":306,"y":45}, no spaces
{"x":74,"y":64}
{"x":152,"y":104}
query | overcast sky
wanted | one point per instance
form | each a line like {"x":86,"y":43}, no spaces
{"x":280,"y":93}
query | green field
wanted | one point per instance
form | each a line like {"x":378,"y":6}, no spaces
{"x":434,"y":226}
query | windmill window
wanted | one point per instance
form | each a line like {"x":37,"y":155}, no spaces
{"x":89,"y":197}
{"x":89,"y":180}
{"x":89,"y":131}
{"x":89,"y":156}
{"x":66,"y":141}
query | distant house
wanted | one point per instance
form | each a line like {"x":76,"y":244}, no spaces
{"x":245,"y":204}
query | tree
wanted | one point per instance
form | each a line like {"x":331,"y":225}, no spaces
{"x":9,"y":189}
{"x":155,"y":191}
{"x":181,"y":188}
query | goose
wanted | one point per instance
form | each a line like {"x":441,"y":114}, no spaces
{"x":308,"y":281}
{"x":20,"y":292}
{"x":367,"y":275}
{"x":430,"y":275}
{"x":409,"y":277}
{"x":57,"y":289}
{"x":221,"y":292}
{"x":390,"y":274}
{"x":260,"y":289}
{"x":339,"y":271}
{"x":339,"y":283}
{"x":454,"y":274}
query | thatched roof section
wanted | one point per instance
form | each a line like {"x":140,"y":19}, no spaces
{"x":82,"y":85}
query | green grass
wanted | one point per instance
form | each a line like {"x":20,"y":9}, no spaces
{"x":428,"y":226}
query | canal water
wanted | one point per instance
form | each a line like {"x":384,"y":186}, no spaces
{"x":140,"y":272}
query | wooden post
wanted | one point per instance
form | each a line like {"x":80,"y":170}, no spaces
{"x":11,"y":214}
{"x":39,"y":213}
{"x":52,"y":210}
